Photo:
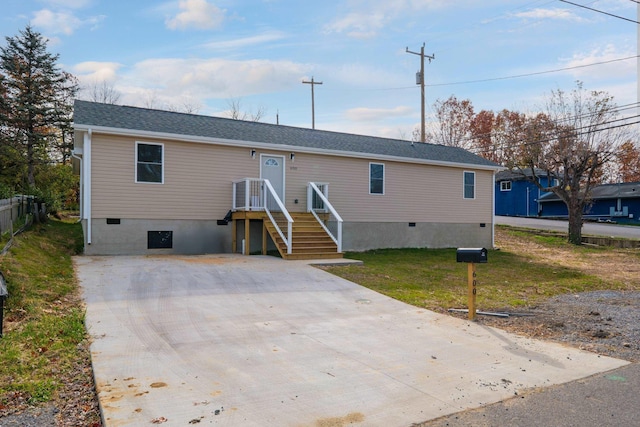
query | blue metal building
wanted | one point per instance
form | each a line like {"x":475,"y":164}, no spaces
{"x":610,"y":202}
{"x":516,"y":196}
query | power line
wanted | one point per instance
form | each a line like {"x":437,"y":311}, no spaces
{"x":616,"y":110}
{"x":567,"y":119}
{"x":601,"y":11}
{"x":570,"y":132}
{"x":533,"y":74}
{"x":557,"y":70}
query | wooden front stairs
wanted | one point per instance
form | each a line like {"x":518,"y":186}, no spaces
{"x":310,"y":241}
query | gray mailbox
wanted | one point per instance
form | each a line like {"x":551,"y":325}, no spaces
{"x":474,"y":255}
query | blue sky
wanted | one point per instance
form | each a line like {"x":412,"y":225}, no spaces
{"x":208,"y":52}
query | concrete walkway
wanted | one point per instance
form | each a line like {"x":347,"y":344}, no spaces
{"x":256,"y":341}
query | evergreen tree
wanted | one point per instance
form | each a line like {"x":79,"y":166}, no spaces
{"x":36,"y":101}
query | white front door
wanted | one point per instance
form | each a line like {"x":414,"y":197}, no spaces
{"x":272,"y":168}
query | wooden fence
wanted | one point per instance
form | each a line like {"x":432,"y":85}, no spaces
{"x":11,"y":210}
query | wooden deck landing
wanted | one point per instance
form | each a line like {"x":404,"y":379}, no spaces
{"x":310,"y":240}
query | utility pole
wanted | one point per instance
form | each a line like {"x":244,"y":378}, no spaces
{"x":313,"y":111}
{"x":420,"y":81}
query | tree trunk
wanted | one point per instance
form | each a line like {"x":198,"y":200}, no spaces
{"x":31,"y":180}
{"x":575,"y":221}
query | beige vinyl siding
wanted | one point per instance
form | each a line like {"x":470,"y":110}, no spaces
{"x":197,"y":180}
{"x":198,"y":184}
{"x":413,"y":192}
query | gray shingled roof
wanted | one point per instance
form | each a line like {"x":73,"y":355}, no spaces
{"x":624,"y":190}
{"x":515,"y":175}
{"x":92,"y":114}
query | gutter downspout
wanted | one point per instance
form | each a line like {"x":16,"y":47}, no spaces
{"x":86,"y":172}
{"x":493,"y":212}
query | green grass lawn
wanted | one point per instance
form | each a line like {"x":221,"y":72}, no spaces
{"x":431,"y":278}
{"x":43,"y":317}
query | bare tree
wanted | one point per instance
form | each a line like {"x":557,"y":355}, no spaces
{"x":416,"y":135}
{"x":187,"y":105}
{"x":151,"y":100}
{"x":454,"y":122}
{"x":191,"y":106}
{"x":235,"y":111}
{"x":570,"y":142}
{"x":103,"y":92}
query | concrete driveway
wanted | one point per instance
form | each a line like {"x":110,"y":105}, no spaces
{"x":257,"y":341}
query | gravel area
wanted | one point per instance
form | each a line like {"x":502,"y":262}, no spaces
{"x":603,"y":322}
{"x":32,"y":417}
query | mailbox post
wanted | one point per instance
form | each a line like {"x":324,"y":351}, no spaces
{"x":471,"y":256}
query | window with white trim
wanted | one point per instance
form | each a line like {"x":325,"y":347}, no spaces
{"x":505,"y":185}
{"x":376,"y":178}
{"x":469,"y":179}
{"x":149,"y":162}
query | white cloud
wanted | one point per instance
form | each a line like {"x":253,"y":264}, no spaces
{"x":56,"y":22}
{"x":361,"y":77}
{"x":624,"y":93}
{"x":198,"y":14}
{"x":367,"y":19}
{"x":555,"y":13}
{"x":358,"y":25}
{"x":376,"y":114}
{"x":399,"y":130}
{"x":211,"y":78}
{"x":246,"y":41}
{"x":95,"y":72}
{"x":61,"y":22}
{"x":611,"y":70}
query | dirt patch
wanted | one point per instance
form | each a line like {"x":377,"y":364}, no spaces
{"x":203,"y":259}
{"x":352,"y":418}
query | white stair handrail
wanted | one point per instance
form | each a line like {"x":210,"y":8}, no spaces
{"x":270,"y":191}
{"x":327,"y":206}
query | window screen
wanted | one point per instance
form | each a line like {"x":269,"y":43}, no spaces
{"x":469,"y":185}
{"x":376,"y":178}
{"x":149,"y":159}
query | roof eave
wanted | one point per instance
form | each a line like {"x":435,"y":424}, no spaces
{"x":285,"y":147}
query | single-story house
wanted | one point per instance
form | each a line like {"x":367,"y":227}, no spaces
{"x":160,"y":182}
{"x":516,"y":195}
{"x":609,"y":202}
